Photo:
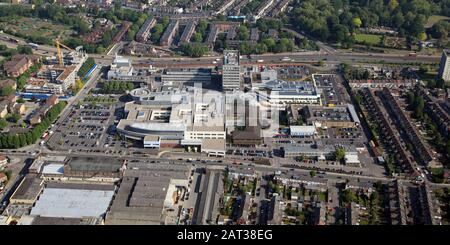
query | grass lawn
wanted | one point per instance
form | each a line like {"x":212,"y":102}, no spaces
{"x":368,"y":38}
{"x":435,"y":18}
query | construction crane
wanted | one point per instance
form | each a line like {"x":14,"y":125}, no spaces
{"x":60,"y":55}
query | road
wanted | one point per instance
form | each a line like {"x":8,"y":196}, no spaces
{"x":269,"y":59}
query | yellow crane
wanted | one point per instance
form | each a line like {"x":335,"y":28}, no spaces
{"x":58,"y":47}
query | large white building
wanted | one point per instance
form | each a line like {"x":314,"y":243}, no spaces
{"x":231,"y":75}
{"x":176,"y":116}
{"x":121,"y":69}
{"x":444,"y":67}
{"x":279,"y":93}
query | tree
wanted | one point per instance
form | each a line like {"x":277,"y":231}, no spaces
{"x":82,"y":27}
{"x":165,"y":21}
{"x":78,"y":85}
{"x":130,"y":35}
{"x":357,"y":22}
{"x":23,"y":49}
{"x":3,"y":123}
{"x":422,"y":36}
{"x":130,"y":86}
{"x":202,"y":26}
{"x":440,"y":30}
{"x":243,"y":33}
{"x":340,"y":154}
{"x":393,"y":4}
{"x":197,"y":37}
{"x":106,"y":38}
{"x":349,"y":196}
{"x":321,"y":63}
{"x":270,"y":43}
{"x":312,"y":173}
{"x":156,"y":31}
{"x":7,"y":90}
{"x":194,"y":49}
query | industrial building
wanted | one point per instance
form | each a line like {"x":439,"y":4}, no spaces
{"x":145,"y":192}
{"x":28,"y":190}
{"x":208,"y":188}
{"x":73,"y":200}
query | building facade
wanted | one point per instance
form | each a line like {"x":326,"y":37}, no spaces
{"x":444,"y":67}
{"x":231,"y":76}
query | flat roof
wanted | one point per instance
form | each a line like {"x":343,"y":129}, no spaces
{"x":53,"y":168}
{"x":213,"y":144}
{"x":29,"y":188}
{"x":307,"y":129}
{"x":95,"y":164}
{"x":63,"y":221}
{"x":141,"y":195}
{"x":72,"y":203}
{"x":248,"y":133}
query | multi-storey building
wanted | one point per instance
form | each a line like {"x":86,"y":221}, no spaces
{"x":231,"y":76}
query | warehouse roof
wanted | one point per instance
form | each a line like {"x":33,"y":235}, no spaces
{"x":72,"y":203}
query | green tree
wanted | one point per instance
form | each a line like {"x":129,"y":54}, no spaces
{"x":202,"y":26}
{"x":422,"y":36}
{"x":165,"y":21}
{"x":357,"y":22}
{"x":194,"y":49}
{"x":24,"y":49}
{"x":340,"y":154}
{"x":3,"y":123}
{"x":393,"y":4}
{"x":7,"y":90}
{"x":312,"y":173}
{"x":270,"y":43}
{"x":243,"y":33}
{"x":197,"y":37}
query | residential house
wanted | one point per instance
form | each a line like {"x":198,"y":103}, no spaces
{"x":19,"y":63}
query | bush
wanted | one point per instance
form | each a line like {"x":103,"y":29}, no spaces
{"x":194,"y":50}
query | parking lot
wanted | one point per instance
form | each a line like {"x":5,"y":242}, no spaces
{"x":293,"y":72}
{"x":333,"y":93}
{"x":85,"y":128}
